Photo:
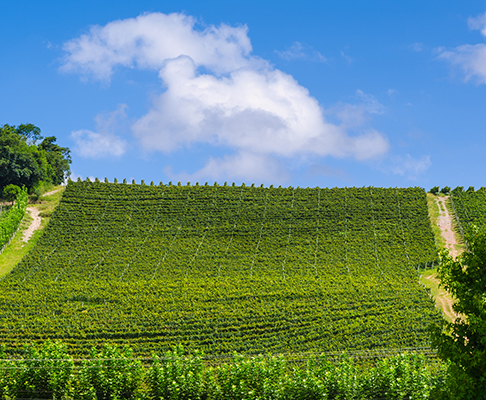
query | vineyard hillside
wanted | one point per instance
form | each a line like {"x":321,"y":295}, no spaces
{"x":470,"y":208}
{"x":224,"y":269}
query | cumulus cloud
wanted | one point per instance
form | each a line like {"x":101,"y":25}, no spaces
{"x":149,"y":40}
{"x":263,"y":112}
{"x":104,"y":143}
{"x":216,"y":92}
{"x":470,"y":58}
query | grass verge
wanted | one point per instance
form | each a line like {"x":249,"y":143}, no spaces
{"x":434,"y":213}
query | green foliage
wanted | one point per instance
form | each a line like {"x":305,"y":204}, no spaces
{"x":24,"y":163}
{"x":10,"y":192}
{"x":176,"y":376}
{"x":10,"y":222}
{"x":458,"y":190}
{"x":405,"y":376}
{"x":58,"y":159}
{"x":470,"y":207}
{"x":434,"y":190}
{"x":47,"y":371}
{"x":226,"y":269}
{"x":463,"y":342}
{"x":445,"y":190}
{"x":110,"y":374}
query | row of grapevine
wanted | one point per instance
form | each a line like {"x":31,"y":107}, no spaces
{"x":11,"y":220}
{"x":224,"y":269}
{"x":470,"y":208}
{"x":49,"y":372}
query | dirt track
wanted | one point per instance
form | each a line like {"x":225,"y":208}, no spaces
{"x":37,"y":220}
{"x":34,"y":225}
{"x":445,"y":224}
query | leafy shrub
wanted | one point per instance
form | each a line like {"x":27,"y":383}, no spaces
{"x":110,"y":374}
{"x":10,"y":222}
{"x":46,"y":372}
{"x":176,"y":376}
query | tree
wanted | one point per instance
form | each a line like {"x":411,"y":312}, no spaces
{"x":463,"y":342}
{"x":10,"y":192}
{"x":24,"y":163}
{"x":434,"y":190}
{"x":58,"y":159}
{"x":445,"y":190}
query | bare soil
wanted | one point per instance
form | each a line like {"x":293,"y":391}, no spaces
{"x":444,"y":222}
{"x":35,"y":224}
{"x":51,"y":192}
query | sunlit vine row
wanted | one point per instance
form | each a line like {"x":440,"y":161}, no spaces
{"x":470,"y":207}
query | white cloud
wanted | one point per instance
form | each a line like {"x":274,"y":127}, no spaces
{"x":263,"y":112}
{"x":470,"y":58}
{"x":409,"y":166}
{"x":216,"y":92}
{"x":299,"y":50}
{"x":356,"y":115}
{"x":91,"y":144}
{"x":149,"y":40}
{"x":478,"y":23}
{"x":242,"y":166}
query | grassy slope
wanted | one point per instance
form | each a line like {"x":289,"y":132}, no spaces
{"x":17,"y":248}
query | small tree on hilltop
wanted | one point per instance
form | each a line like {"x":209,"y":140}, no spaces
{"x":463,"y":342}
{"x":434,"y":190}
{"x":445,"y":190}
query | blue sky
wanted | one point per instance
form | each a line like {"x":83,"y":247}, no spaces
{"x":307,"y":93}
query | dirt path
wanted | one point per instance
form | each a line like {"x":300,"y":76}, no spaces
{"x":51,"y":192}
{"x":443,"y":299}
{"x":35,"y":224}
{"x":444,"y":221}
{"x":445,"y":224}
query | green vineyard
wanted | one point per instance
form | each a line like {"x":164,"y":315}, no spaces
{"x":470,"y":208}
{"x":226,"y":269}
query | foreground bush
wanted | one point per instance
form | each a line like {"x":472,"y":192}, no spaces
{"x":112,"y":373}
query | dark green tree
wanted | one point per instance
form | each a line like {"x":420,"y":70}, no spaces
{"x":24,"y":163}
{"x":463,"y":342}
{"x":58,"y":159}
